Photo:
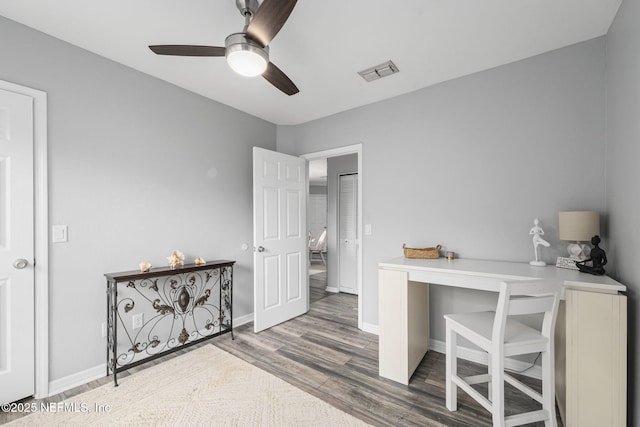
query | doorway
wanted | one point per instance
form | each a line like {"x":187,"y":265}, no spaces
{"x":341,"y":161}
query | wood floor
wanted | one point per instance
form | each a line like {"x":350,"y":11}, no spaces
{"x":325,"y":354}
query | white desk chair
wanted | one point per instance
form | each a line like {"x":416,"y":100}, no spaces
{"x":501,"y":336}
{"x":320,"y":247}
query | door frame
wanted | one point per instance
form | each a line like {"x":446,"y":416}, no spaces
{"x":41,"y":241}
{"x":341,"y":151}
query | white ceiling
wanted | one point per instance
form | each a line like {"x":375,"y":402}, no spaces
{"x":323,"y":45}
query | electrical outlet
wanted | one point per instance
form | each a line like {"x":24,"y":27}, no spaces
{"x":104,"y":329}
{"x":138,"y":320}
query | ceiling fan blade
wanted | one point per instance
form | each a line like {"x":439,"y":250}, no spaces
{"x":269,"y":19}
{"x":279,"y":79}
{"x":188,"y":50}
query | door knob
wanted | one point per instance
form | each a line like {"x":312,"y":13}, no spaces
{"x":20,"y":263}
{"x":260,"y":249}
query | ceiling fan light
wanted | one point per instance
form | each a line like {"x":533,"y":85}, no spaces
{"x":247,"y":60}
{"x":246,"y":63}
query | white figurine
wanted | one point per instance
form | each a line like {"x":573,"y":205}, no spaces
{"x":537,"y":231}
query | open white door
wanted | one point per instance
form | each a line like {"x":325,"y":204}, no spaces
{"x":17,"y":371}
{"x":280,"y":288}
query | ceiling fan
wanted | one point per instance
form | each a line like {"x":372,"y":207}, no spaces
{"x":247,"y":53}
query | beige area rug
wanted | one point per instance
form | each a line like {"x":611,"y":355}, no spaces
{"x":205,"y":387}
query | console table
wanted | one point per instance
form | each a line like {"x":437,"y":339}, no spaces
{"x":153,"y":313}
{"x":591,"y":330}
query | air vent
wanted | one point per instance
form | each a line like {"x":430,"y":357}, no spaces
{"x":379,"y":71}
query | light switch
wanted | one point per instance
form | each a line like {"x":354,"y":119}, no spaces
{"x":59,"y":234}
{"x":367,"y":229}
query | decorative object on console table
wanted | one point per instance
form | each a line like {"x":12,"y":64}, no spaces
{"x":537,"y":231}
{"x":176,"y":258}
{"x":598,"y":259}
{"x":164,"y":310}
{"x":430,"y":253}
{"x":145,"y":266}
{"x":577,"y":227}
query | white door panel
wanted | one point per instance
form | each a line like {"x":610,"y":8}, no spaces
{"x":271,"y":289}
{"x":280,"y":266}
{"x":294,"y":284}
{"x":294,"y":229}
{"x":16,"y":247}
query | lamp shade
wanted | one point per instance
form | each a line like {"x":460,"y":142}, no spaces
{"x":579,"y":226}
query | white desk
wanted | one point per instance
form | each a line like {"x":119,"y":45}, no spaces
{"x":403,"y":321}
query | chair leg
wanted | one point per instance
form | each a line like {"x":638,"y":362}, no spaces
{"x":548,"y":388}
{"x":497,"y":389}
{"x":322,"y":257}
{"x":451,"y":369}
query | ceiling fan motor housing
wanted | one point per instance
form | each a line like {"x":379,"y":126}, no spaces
{"x":240,"y":41}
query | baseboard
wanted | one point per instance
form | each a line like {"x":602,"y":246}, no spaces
{"x":478,"y":356}
{"x":371,"y":328}
{"x":239,"y":321}
{"x":77,"y":379}
{"x":91,"y":374}
{"x":333,"y":289}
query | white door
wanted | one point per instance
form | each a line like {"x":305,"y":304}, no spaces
{"x":16,"y":247}
{"x":348,"y":233}
{"x":279,"y":238}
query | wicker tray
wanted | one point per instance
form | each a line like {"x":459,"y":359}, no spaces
{"x":421,"y":252}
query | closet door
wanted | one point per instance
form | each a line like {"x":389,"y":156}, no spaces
{"x":348,"y":233}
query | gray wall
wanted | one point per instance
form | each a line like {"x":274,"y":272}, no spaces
{"x":335,"y":167}
{"x":137,"y":168}
{"x":317,"y":189}
{"x":623,"y":174}
{"x":471,"y":162}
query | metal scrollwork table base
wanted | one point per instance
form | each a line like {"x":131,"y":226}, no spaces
{"x":153,"y":313}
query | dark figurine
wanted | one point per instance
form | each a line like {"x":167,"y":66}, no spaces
{"x":598,"y":259}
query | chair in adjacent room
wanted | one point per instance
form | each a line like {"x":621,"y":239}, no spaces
{"x":319,"y":247}
{"x":501,"y":335}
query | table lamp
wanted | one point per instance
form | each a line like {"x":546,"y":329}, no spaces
{"x":578,"y":227}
